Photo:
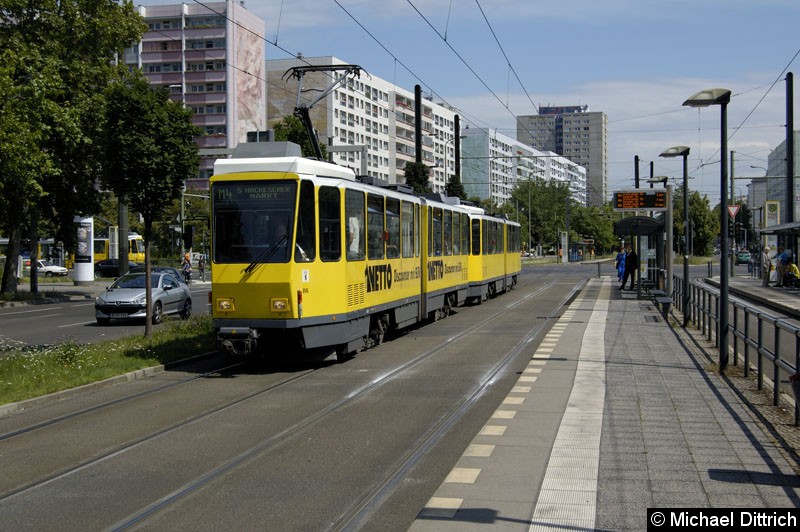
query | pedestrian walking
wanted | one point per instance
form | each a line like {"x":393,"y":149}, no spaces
{"x":766,"y":266}
{"x":201,"y":266}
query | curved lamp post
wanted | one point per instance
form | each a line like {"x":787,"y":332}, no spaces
{"x":683,"y":151}
{"x":706,"y":98}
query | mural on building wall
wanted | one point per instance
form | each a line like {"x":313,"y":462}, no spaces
{"x":251,"y":100}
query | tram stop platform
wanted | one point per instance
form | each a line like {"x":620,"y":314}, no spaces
{"x":620,"y":415}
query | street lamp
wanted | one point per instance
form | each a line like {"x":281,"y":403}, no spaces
{"x":721,"y":97}
{"x":683,"y":151}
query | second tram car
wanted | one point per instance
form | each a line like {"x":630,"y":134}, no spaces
{"x":306,"y":256}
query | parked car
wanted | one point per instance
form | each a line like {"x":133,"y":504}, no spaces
{"x":110,"y":268}
{"x":743,"y":257}
{"x":160,"y":269}
{"x":47,"y":268}
{"x":126,"y":298}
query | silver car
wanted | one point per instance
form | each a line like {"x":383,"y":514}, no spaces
{"x":126,"y":298}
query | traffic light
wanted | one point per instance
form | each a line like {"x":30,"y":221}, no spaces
{"x":188,"y":234}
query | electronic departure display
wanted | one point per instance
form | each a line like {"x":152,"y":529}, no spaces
{"x":640,"y":200}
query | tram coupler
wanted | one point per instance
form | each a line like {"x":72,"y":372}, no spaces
{"x":237,"y":341}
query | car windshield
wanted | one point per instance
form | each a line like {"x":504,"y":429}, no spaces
{"x":135,"y":280}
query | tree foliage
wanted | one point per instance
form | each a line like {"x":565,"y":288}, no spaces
{"x":291,"y":129}
{"x":455,"y":188}
{"x":543,"y":210}
{"x":149,"y":152}
{"x":56,"y":58}
{"x":418,"y":177}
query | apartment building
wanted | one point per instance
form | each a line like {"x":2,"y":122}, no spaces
{"x":367,"y":123}
{"x":577,"y":134}
{"x":492,"y":164}
{"x":211,"y":58}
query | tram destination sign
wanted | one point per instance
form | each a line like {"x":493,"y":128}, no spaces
{"x":640,"y":200}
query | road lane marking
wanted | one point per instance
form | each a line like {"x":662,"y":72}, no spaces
{"x":30,"y":311}
{"x":76,"y":324}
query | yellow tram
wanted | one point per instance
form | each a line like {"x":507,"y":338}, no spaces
{"x":305,"y":255}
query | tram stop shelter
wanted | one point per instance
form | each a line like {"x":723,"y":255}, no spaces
{"x":787,"y":236}
{"x":643,"y":226}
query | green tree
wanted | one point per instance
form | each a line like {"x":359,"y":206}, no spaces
{"x":149,"y":153}
{"x":704,"y":221}
{"x":57,"y":57}
{"x":418,"y":177}
{"x":291,"y":129}
{"x":455,"y":188}
{"x":543,"y":207}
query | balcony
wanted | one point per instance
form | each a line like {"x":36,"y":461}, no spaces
{"x":213,"y":141}
{"x":169,"y":78}
{"x":161,"y":56}
{"x":205,"y":98}
{"x":205,"y":76}
{"x":205,"y":55}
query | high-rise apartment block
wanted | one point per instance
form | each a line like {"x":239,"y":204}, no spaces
{"x":492,"y":164}
{"x":371,"y":117}
{"x":577,"y":134}
{"x":211,"y":58}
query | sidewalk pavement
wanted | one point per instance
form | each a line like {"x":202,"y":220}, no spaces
{"x":617,"y":412}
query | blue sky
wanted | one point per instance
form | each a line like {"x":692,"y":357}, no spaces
{"x":635,"y":60}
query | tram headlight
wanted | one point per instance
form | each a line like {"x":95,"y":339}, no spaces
{"x":226,"y":304}
{"x":279,"y":304}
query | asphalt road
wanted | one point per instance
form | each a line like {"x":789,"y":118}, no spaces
{"x":278,"y":445}
{"x":75,"y":320}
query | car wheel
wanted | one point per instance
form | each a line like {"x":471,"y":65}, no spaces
{"x":187,"y":309}
{"x":97,"y":274}
{"x":48,"y":274}
{"x":157,"y":316}
{"x":103,"y":321}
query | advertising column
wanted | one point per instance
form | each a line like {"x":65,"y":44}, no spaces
{"x":84,"y":256}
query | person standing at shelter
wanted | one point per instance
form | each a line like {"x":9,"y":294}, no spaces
{"x":782,"y":263}
{"x":620,"y":264}
{"x":631,"y":265}
{"x":766,"y":266}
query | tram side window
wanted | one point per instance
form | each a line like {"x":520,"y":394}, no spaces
{"x":501,"y":238}
{"x":417,"y":236}
{"x":407,"y":229}
{"x":393,"y":228}
{"x":354,"y":212}
{"x":476,"y":236}
{"x":465,"y":234}
{"x":437,"y":232}
{"x":330,"y":224}
{"x":375,"y":231}
{"x":456,"y":234}
{"x":306,"y":235}
{"x":448,"y":233}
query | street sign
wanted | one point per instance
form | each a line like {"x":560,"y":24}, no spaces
{"x":732,"y":210}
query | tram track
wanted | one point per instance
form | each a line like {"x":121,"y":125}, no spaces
{"x":366,"y":503}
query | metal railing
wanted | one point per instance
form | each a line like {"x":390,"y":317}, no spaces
{"x":756,"y":333}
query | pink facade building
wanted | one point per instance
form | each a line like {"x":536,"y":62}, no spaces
{"x":211,"y":58}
